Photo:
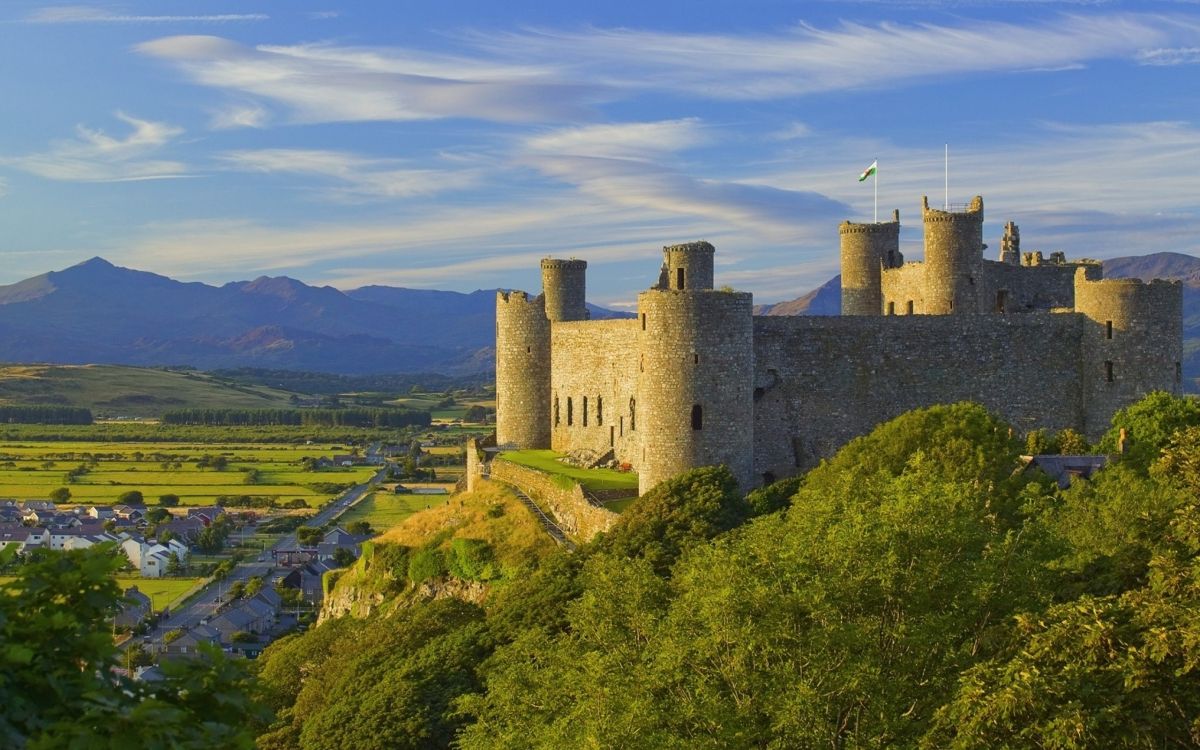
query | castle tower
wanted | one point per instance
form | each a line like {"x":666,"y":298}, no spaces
{"x":522,"y":371}
{"x":695,"y":395}
{"x":689,"y":266}
{"x":866,"y":250}
{"x":1132,"y":343}
{"x":1010,"y":245}
{"x":953,"y":258}
{"x":564,"y":283}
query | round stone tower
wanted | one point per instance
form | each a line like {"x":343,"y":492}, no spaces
{"x":1132,"y":343}
{"x":522,"y":371}
{"x":689,"y":266}
{"x":953,"y":258}
{"x":695,"y":395}
{"x":866,"y":250}
{"x":564,"y":282}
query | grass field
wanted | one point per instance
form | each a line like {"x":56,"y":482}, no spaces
{"x":163,"y":592}
{"x":384,"y":510}
{"x":129,"y":391}
{"x":30,"y":471}
{"x":593,"y":479}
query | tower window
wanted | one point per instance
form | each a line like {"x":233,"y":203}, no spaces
{"x":1001,"y":301}
{"x":585,"y":411}
{"x":695,"y":358}
{"x":909,"y":308}
{"x":679,"y":278}
{"x":971,"y":280}
{"x":951,"y":305}
{"x":612,"y":438}
{"x":891,"y":308}
{"x":643,"y":321}
{"x":599,"y":410}
{"x":697,"y":417}
{"x":632,"y":415}
{"x":1108,"y":370}
{"x":527,"y":350}
{"x":621,"y":426}
{"x":1108,"y":329}
{"x":556,"y":411}
{"x":570,"y":412}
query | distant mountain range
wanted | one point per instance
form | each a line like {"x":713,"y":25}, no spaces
{"x":96,"y":312}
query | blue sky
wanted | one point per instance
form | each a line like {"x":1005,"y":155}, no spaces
{"x":453,"y":144}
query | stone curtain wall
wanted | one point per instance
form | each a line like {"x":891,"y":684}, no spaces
{"x":824,"y":381}
{"x":902,"y":285}
{"x":560,"y":495}
{"x":596,"y":360}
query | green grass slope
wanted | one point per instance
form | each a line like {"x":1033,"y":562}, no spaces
{"x":112,"y":391}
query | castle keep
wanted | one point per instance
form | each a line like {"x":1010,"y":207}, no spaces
{"x":697,"y":379}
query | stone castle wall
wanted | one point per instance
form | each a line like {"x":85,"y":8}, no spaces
{"x":594,"y":379}
{"x":563,"y":498}
{"x":826,"y":380}
{"x":902,"y":286}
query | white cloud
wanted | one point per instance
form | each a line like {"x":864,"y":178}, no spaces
{"x":61,"y":14}
{"x":1170,"y":56}
{"x":356,"y":175}
{"x":325,"y":83}
{"x":240,"y":115}
{"x":322,"y":15}
{"x":95,"y":156}
{"x":807,"y":59}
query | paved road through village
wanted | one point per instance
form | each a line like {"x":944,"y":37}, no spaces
{"x":205,"y":604}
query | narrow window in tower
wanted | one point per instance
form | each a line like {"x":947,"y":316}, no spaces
{"x":679,"y":278}
{"x":585,"y":411}
{"x":642,"y":363}
{"x":1108,"y":371}
{"x":1108,"y":329}
{"x":570,"y":412}
{"x":695,"y":358}
{"x":908,"y":308}
{"x":697,"y":417}
{"x":599,"y":410}
{"x":632,"y":415}
{"x":612,"y":437}
{"x":891,"y":308}
{"x":971,"y":280}
{"x":556,"y":411}
{"x":951,"y":305}
{"x":621,"y":426}
{"x":1001,"y":301}
{"x":643,"y":321}
{"x":527,"y":350}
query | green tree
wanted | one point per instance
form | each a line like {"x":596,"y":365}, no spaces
{"x":1149,"y":425}
{"x":56,"y":676}
{"x":132,"y":497}
{"x":60,"y":494}
{"x":169,"y":500}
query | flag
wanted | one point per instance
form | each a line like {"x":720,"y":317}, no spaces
{"x":869,"y":171}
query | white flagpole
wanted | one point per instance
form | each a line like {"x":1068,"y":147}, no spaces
{"x":946,"y":200}
{"x":877,"y":191}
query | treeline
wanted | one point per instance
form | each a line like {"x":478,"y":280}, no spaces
{"x":913,"y":591}
{"x":297,"y":417}
{"x":324,"y":383}
{"x":45,"y":414}
{"x":151,"y":432}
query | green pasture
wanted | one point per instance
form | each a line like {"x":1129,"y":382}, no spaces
{"x":30,"y":471}
{"x":383,"y":510}
{"x":163,"y":592}
{"x":593,"y":479}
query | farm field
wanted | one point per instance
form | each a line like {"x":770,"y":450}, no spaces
{"x":32,"y":470}
{"x":163,"y":592}
{"x":383,"y":510}
{"x":431,"y":402}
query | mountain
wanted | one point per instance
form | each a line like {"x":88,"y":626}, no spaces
{"x":98,"y":312}
{"x":824,"y":300}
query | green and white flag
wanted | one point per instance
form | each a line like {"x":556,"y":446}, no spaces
{"x":869,"y":171}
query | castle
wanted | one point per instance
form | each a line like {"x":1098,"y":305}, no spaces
{"x":697,"y":379}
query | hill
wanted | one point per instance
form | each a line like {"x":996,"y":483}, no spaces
{"x":98,"y":312}
{"x":110,"y":390}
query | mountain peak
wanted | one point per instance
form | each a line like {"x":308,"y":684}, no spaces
{"x":95,"y":262}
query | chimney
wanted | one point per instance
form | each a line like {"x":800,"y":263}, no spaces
{"x":1122,"y":441}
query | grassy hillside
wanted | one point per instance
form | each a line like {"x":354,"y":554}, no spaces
{"x":112,"y":391}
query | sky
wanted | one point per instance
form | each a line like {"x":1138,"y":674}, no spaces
{"x":451,"y":145}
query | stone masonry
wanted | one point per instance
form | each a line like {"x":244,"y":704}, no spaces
{"x":696,"y":379}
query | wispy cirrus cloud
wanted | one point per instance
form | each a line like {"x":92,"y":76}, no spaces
{"x":628,"y":165}
{"x":94,"y":156}
{"x":327,"y":83}
{"x":65,"y":14}
{"x":354,"y":176}
{"x":1170,"y":56}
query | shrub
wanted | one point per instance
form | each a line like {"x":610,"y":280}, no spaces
{"x":471,"y":560}
{"x":133,"y":497}
{"x":425,"y":564}
{"x":168,"y":500}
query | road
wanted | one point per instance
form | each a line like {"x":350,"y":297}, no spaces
{"x":204,"y":605}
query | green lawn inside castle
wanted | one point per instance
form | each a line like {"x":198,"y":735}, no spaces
{"x":592,"y":479}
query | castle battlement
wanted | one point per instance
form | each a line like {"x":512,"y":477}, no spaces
{"x":696,"y":379}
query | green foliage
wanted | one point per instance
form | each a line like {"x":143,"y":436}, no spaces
{"x":773,"y":497}
{"x":168,"y":500}
{"x":343,"y":557}
{"x":426,"y":563}
{"x":390,"y":418}
{"x":1072,"y":443}
{"x":45,"y":414}
{"x":60,"y":494}
{"x":472,"y":560}
{"x":1149,"y":424}
{"x":309,"y":536}
{"x":56,"y":655}
{"x":132,"y":497}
